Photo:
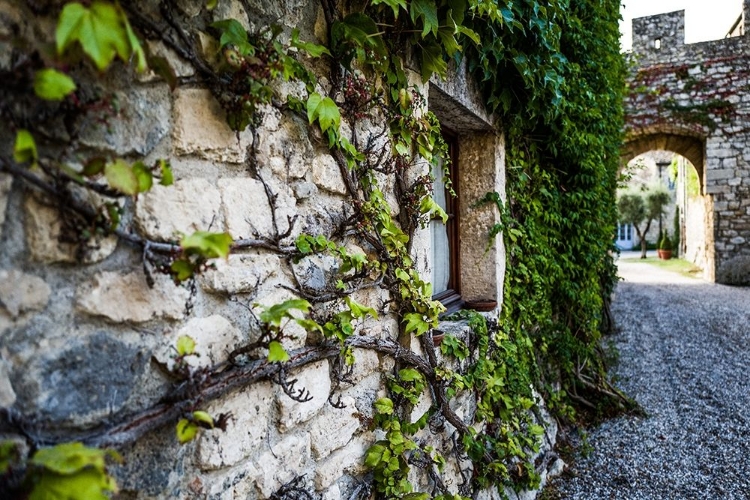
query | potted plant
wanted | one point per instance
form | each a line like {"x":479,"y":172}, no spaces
{"x":664,"y":249}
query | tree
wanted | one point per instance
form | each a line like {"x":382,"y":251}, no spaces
{"x":639,"y":207}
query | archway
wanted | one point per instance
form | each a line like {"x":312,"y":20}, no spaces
{"x":680,"y":159}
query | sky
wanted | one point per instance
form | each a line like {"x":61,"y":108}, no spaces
{"x":704,"y":19}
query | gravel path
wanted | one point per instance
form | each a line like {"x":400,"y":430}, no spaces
{"x":685,"y":357}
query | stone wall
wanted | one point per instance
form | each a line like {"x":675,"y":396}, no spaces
{"x":86,"y":329}
{"x":693,"y":99}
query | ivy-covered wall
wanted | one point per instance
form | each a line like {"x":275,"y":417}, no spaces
{"x":216,"y":250}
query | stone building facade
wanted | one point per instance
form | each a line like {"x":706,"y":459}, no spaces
{"x":693,"y":99}
{"x":85,"y":332}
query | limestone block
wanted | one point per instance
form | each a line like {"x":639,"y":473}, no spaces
{"x":185,"y":207}
{"x":140,"y":126}
{"x":366,"y":363}
{"x":333,"y":428}
{"x":240,"y":273}
{"x":315,"y":378}
{"x":181,"y":67}
{"x":7,"y":395}
{"x":5,"y":182}
{"x":326,"y":174}
{"x":348,"y":460}
{"x":200,"y":129}
{"x":246,"y":432}
{"x":332,"y":493}
{"x":280,"y":464}
{"x":127,"y":297}
{"x":287,"y":151}
{"x":21,"y":292}
{"x":215,"y":337}
{"x":245,"y":207}
{"x":43,"y":232}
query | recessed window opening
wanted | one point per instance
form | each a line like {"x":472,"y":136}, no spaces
{"x":657,"y":43}
{"x":445,"y":241}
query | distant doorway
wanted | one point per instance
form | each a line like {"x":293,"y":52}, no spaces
{"x":625,"y":239}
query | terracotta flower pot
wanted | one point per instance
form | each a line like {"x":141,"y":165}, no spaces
{"x":664,"y":254}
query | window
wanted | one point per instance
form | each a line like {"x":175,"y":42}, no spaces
{"x":446,"y":272}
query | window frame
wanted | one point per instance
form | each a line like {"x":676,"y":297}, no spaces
{"x":451,"y":297}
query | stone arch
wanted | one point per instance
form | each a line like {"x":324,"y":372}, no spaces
{"x":685,"y":143}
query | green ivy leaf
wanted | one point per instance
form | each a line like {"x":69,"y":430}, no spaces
{"x":24,"y":150}
{"x":167,"y":178}
{"x":121,"y":177}
{"x":233,"y":33}
{"x":9,"y":455}
{"x":143,"y":176}
{"x":276,"y":352}
{"x":185,"y":345}
{"x":393,"y":4}
{"x":276,"y":313}
{"x":384,"y":406}
{"x":203,"y":419}
{"x":427,"y":11}
{"x":358,"y":310}
{"x":87,"y":484}
{"x":69,"y":458}
{"x":377,"y":453}
{"x":94,"y":166}
{"x":312,"y":49}
{"x":415,"y":323}
{"x":186,"y":430}
{"x":52,"y":85}
{"x":209,"y":245}
{"x":102,"y":31}
{"x":182,"y":270}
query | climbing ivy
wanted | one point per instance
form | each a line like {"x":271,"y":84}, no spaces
{"x":552,"y":73}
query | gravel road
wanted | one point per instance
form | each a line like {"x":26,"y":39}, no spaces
{"x":685,"y":357}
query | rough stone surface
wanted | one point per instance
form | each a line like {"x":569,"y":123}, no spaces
{"x":241,"y":273}
{"x":326,"y":174}
{"x":316,"y":380}
{"x":43,"y":237}
{"x":245,"y":207}
{"x":215,"y":337}
{"x":21,"y":293}
{"x":187,"y":206}
{"x":244,"y":437}
{"x":200,"y":129}
{"x":280,"y":464}
{"x":347,"y":460}
{"x":94,"y":386}
{"x":333,"y":428}
{"x":142,"y":124}
{"x":7,"y":394}
{"x":5,"y":184}
{"x":127,"y":297}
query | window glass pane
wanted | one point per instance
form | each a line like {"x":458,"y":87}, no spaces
{"x":441,"y":262}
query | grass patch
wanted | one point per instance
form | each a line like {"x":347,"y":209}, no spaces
{"x":675,"y":265}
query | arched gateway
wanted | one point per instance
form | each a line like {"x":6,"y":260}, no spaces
{"x":694,"y":100}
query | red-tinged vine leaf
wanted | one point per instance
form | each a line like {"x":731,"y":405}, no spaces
{"x":186,"y":430}
{"x":203,"y":419}
{"x":185,"y":345}
{"x":276,"y":353}
{"x":208,"y":245}
{"x":121,"y":177}
{"x":143,"y":175}
{"x":52,"y":85}
{"x":24,"y":149}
